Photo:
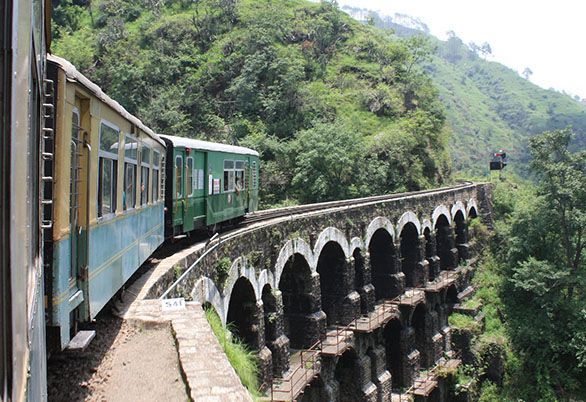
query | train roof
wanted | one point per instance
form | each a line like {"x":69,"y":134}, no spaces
{"x":74,"y":75}
{"x":208,"y":146}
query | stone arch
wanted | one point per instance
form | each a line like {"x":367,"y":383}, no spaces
{"x":346,"y":371}
{"x":303,"y":318}
{"x":378,"y":223}
{"x":334,"y":274}
{"x":458,"y":206}
{"x":471,"y":206}
{"x":356,"y":243}
{"x":395,"y":353}
{"x":426,"y":224}
{"x":384,"y":266}
{"x":331,"y":234}
{"x":410,"y":255}
{"x":409,"y":217}
{"x":439,"y":211}
{"x":206,"y":291}
{"x":242,"y":313}
{"x":443,"y":241}
{"x":419,"y":324}
{"x":239,"y":269}
{"x":294,"y":246}
{"x":461,"y":229}
{"x":265,"y":277}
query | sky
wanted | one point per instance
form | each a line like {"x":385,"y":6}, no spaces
{"x":546,"y":36}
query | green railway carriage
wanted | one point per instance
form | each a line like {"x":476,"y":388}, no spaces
{"x":207,"y":184}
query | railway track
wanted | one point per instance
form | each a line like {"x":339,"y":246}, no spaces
{"x":269,"y":214}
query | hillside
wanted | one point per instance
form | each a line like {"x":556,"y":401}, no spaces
{"x":488,"y":105}
{"x":336,"y":108}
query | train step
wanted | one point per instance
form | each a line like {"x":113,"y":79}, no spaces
{"x":81,"y":341}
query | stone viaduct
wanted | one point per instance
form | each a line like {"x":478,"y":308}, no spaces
{"x":285,"y":285}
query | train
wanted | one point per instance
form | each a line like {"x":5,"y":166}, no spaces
{"x":24,"y":41}
{"x":87,"y":193}
{"x":119,"y":191}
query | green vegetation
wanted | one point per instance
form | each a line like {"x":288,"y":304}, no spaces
{"x":242,"y":359}
{"x":531,"y":281}
{"x":336,"y":108}
{"x":463,"y":322}
{"x":489,"y":106}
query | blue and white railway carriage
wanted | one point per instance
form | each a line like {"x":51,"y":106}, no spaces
{"x":107,"y":200}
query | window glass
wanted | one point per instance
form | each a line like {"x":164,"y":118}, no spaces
{"x":129,"y":193}
{"x":145,"y":155}
{"x":178,"y":177}
{"x":144,"y":185}
{"x":156,"y":159}
{"x":109,"y":137}
{"x":156,"y":185}
{"x":107,"y":169}
{"x":131,"y":148}
{"x":189,"y":177}
{"x":228,"y":176}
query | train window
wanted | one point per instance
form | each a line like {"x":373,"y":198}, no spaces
{"x":156,"y":164}
{"x":189,"y":176}
{"x":145,"y":158}
{"x":130,"y":167}
{"x":107,"y":169}
{"x":254,"y":176}
{"x":178,"y":177}
{"x":240,"y":181}
{"x":228,"y":176}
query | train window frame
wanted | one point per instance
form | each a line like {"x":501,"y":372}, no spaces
{"x":178,"y":178}
{"x":239,"y":173}
{"x":156,"y":189}
{"x":132,"y":163}
{"x":229,"y":176}
{"x":189,"y":177}
{"x":110,"y":158}
{"x":145,"y":166}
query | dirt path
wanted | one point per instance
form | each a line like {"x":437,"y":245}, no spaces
{"x":123,"y":363}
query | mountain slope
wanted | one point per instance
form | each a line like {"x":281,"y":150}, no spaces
{"x":488,"y":105}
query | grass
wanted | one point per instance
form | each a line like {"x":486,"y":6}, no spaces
{"x":241,"y":358}
{"x":463,"y":322}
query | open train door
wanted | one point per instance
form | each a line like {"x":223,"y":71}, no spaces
{"x":78,"y":208}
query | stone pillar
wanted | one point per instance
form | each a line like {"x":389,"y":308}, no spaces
{"x":431,"y":256}
{"x":367,"y":294}
{"x":453,"y":263}
{"x":421,"y":274}
{"x":350,"y":308}
{"x":257,"y":327}
{"x":462,"y":246}
{"x":369,"y":390}
{"x":397,"y":278}
{"x":265,"y":366}
{"x":275,"y":338}
{"x":308,"y":328}
{"x":380,"y":376}
{"x":411,"y":357}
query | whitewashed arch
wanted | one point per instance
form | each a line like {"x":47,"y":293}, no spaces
{"x":426,"y":224}
{"x":472,"y":204}
{"x":331,"y":234}
{"x":238,"y":270}
{"x":206,"y":291}
{"x":379,"y":223}
{"x":408,"y":217}
{"x":459,"y":206}
{"x":265,"y":277}
{"x":294,"y":246}
{"x":441,"y":210}
{"x":356,"y":243}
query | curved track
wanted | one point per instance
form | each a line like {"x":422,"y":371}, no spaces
{"x":268,"y":214}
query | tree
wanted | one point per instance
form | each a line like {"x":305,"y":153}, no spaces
{"x":527,"y":73}
{"x":546,"y":269}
